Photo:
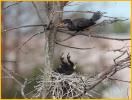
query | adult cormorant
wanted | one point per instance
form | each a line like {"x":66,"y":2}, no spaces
{"x":80,"y":24}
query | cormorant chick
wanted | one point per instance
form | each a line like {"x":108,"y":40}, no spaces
{"x":80,"y":24}
{"x":66,"y":68}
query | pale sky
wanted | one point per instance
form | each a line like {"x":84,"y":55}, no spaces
{"x":115,"y":9}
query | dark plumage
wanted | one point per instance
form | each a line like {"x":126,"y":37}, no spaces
{"x":81,"y":23}
{"x":66,"y":67}
{"x":96,"y":16}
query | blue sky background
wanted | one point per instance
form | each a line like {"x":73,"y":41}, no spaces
{"x":115,"y":9}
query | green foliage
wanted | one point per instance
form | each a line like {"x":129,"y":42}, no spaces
{"x":121,"y":27}
{"x":32,"y":80}
{"x":35,"y":72}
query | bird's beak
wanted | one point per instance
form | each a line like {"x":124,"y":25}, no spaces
{"x":74,"y":67}
{"x":61,"y":25}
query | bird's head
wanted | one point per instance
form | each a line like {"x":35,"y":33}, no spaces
{"x":96,"y":16}
{"x":65,"y":21}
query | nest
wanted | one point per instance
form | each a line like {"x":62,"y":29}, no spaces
{"x":65,"y":86}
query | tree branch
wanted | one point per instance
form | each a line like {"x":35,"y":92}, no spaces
{"x":24,"y":26}
{"x":12,"y":5}
{"x":73,"y":47}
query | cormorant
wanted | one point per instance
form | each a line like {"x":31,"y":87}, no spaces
{"x":80,"y":24}
{"x":66,"y":68}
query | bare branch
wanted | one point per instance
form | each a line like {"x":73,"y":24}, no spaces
{"x":97,"y":36}
{"x":24,"y":26}
{"x":76,"y":11}
{"x":10,"y":75}
{"x":12,"y":5}
{"x":73,"y":47}
{"x":29,"y":39}
{"x":37,"y":11}
{"x":110,"y":38}
{"x":9,"y":61}
{"x":119,"y":80}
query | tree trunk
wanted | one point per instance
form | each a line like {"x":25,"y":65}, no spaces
{"x":50,"y":42}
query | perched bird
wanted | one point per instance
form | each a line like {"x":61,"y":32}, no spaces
{"x":80,"y":24}
{"x":66,"y":68}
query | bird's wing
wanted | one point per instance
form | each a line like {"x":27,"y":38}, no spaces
{"x":83,"y":23}
{"x":78,"y":22}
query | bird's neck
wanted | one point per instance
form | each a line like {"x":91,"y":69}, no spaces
{"x":71,"y":26}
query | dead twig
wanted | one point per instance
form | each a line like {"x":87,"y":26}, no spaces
{"x":73,"y":47}
{"x":12,"y":5}
{"x":24,"y":26}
